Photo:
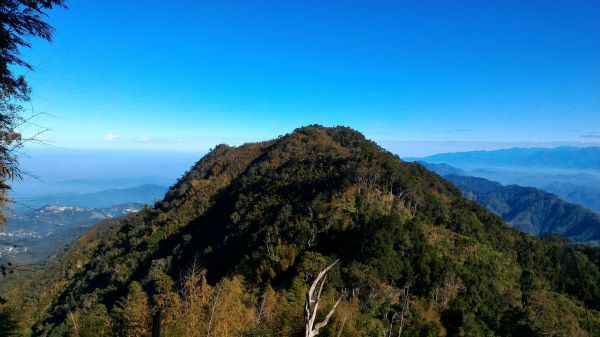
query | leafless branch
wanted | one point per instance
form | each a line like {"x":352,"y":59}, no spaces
{"x":312,"y":304}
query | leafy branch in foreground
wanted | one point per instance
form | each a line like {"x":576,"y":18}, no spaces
{"x":20,"y":21}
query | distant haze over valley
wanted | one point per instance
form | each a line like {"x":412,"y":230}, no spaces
{"x":569,"y":171}
{"x":564,"y":157}
{"x":66,"y":191}
{"x":572,"y":173}
{"x":50,"y":170}
{"x":39,"y":233}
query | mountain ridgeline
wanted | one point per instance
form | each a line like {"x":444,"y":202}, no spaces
{"x":571,"y":173}
{"x":528,"y":209}
{"x":532,"y":210}
{"x":231,"y":248}
{"x":565,"y":157}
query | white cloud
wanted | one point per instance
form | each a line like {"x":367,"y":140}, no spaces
{"x":109,"y":137}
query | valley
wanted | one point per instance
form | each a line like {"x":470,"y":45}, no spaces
{"x":34,"y":236}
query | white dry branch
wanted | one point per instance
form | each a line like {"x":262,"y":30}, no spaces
{"x":214,"y":308}
{"x":312,"y":304}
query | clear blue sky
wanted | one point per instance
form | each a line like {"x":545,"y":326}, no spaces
{"x":185,"y":75}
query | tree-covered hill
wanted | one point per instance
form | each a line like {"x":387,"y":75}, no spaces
{"x":443,"y":169}
{"x":528,"y":209}
{"x":532,"y":210}
{"x":231,"y":248}
{"x":569,"y":172}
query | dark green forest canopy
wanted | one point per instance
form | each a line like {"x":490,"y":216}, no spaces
{"x":275,"y":212}
{"x":532,"y":210}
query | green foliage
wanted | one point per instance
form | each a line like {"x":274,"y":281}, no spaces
{"x":20,"y":22}
{"x":532,"y":210}
{"x":133,"y":312}
{"x":271,"y":215}
{"x":93,"y":321}
{"x":8,"y":324}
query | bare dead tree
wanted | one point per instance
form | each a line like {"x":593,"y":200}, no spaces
{"x":444,"y":293}
{"x":312,"y":304}
{"x":271,"y":253}
{"x":398,"y":315}
{"x":76,"y":330}
{"x":261,"y":309}
{"x":404,"y":297}
{"x":342,"y":324}
{"x":341,"y":328}
{"x":214,"y":308}
{"x":392,"y":321}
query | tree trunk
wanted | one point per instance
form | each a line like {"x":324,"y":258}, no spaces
{"x":312,"y":304}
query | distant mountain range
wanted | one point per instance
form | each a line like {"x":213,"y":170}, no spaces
{"x":37,"y":234}
{"x":144,"y":194}
{"x":582,"y":158}
{"x":52,"y":170}
{"x":529,"y":209}
{"x":587,"y":196}
{"x":443,"y":169}
{"x":572,"y":173}
{"x":42,"y":224}
{"x":532,"y":210}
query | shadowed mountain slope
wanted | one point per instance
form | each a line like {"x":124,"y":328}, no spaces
{"x":532,"y":210}
{"x":274,"y":213}
{"x":528,"y":209}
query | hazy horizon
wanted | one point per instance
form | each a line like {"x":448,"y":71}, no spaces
{"x":50,"y":169}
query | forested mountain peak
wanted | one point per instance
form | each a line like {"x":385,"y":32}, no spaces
{"x":235,"y":241}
